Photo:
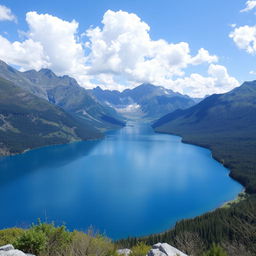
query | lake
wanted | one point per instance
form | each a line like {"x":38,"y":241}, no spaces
{"x":132,"y":183}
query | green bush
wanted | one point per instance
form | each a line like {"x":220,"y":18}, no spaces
{"x":58,"y":239}
{"x":10,"y":235}
{"x":141,"y":249}
{"x":44,"y":239}
{"x":215,"y":251}
{"x":89,"y":244}
{"x":31,"y":241}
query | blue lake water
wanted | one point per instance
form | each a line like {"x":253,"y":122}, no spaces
{"x":134,"y":182}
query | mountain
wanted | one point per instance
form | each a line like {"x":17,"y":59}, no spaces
{"x":225,"y":123}
{"x":9,"y":73}
{"x":64,"y":92}
{"x":28,"y":121}
{"x":154,"y":101}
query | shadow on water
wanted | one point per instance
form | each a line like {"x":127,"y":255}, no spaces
{"x":14,"y":167}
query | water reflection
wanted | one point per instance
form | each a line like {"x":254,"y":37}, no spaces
{"x":134,"y":182}
{"x":13,"y":167}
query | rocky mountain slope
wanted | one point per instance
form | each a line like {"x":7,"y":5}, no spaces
{"x":153,"y":101}
{"x":64,"y":92}
{"x":28,"y":121}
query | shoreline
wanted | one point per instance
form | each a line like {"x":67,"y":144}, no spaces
{"x":212,"y":154}
{"x":103,"y":135}
{"x":45,"y":146}
{"x":243,"y":195}
{"x":222,"y":204}
{"x":240,"y":197}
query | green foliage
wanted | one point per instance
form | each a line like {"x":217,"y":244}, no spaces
{"x":31,"y":241}
{"x":91,"y":244}
{"x":141,"y":249}
{"x":234,"y":225}
{"x":58,"y":239}
{"x":10,"y":235}
{"x":215,"y":251}
{"x":45,"y":239}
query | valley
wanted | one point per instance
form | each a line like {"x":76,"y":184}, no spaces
{"x":132,"y":178}
{"x":111,"y":128}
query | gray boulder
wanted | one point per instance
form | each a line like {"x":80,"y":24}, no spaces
{"x":8,"y":250}
{"x":7,"y":247}
{"x":125,"y":252}
{"x":164,"y":249}
{"x":12,"y":253}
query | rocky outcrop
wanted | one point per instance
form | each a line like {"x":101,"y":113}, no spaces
{"x":124,"y":252}
{"x":9,"y":250}
{"x":164,"y":249}
{"x":160,"y":249}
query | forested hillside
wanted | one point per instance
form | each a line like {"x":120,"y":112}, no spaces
{"x":27,"y":121}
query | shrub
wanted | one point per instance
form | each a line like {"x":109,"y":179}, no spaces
{"x":141,"y":249}
{"x":215,"y":251}
{"x":44,"y":239}
{"x":88,"y":244}
{"x":10,"y":235}
{"x":58,"y":239}
{"x":31,"y":241}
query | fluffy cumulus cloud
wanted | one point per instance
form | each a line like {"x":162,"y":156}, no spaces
{"x":28,"y":54}
{"x":118,"y":55}
{"x":250,"y":5}
{"x":59,"y":40}
{"x":217,"y":81}
{"x":123,"y":46}
{"x":6,"y":14}
{"x":245,"y":38}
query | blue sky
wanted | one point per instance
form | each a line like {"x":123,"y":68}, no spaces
{"x":201,"y":24}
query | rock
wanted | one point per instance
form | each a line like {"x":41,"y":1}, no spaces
{"x":12,"y":253}
{"x":8,"y":250}
{"x":124,"y":252}
{"x":7,"y":247}
{"x":164,"y":249}
{"x":156,"y":252}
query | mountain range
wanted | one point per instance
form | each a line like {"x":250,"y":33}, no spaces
{"x":28,"y":121}
{"x":153,"y":101}
{"x":225,"y":123}
{"x":64,"y":92}
{"x":40,"y":108}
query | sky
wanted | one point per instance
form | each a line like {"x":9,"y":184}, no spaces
{"x":194,"y":47}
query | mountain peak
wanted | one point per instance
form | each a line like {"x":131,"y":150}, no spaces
{"x":2,"y":63}
{"x":47,"y":72}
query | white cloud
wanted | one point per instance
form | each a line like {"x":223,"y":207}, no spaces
{"x":245,"y":38}
{"x":121,"y":54}
{"x":124,"y":46}
{"x":217,"y":81}
{"x":222,"y":79}
{"x":250,"y":5}
{"x":196,"y":85}
{"x":59,"y":41}
{"x":6,"y":14}
{"x":204,"y":56}
{"x":252,"y":72}
{"x":27,"y":54}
